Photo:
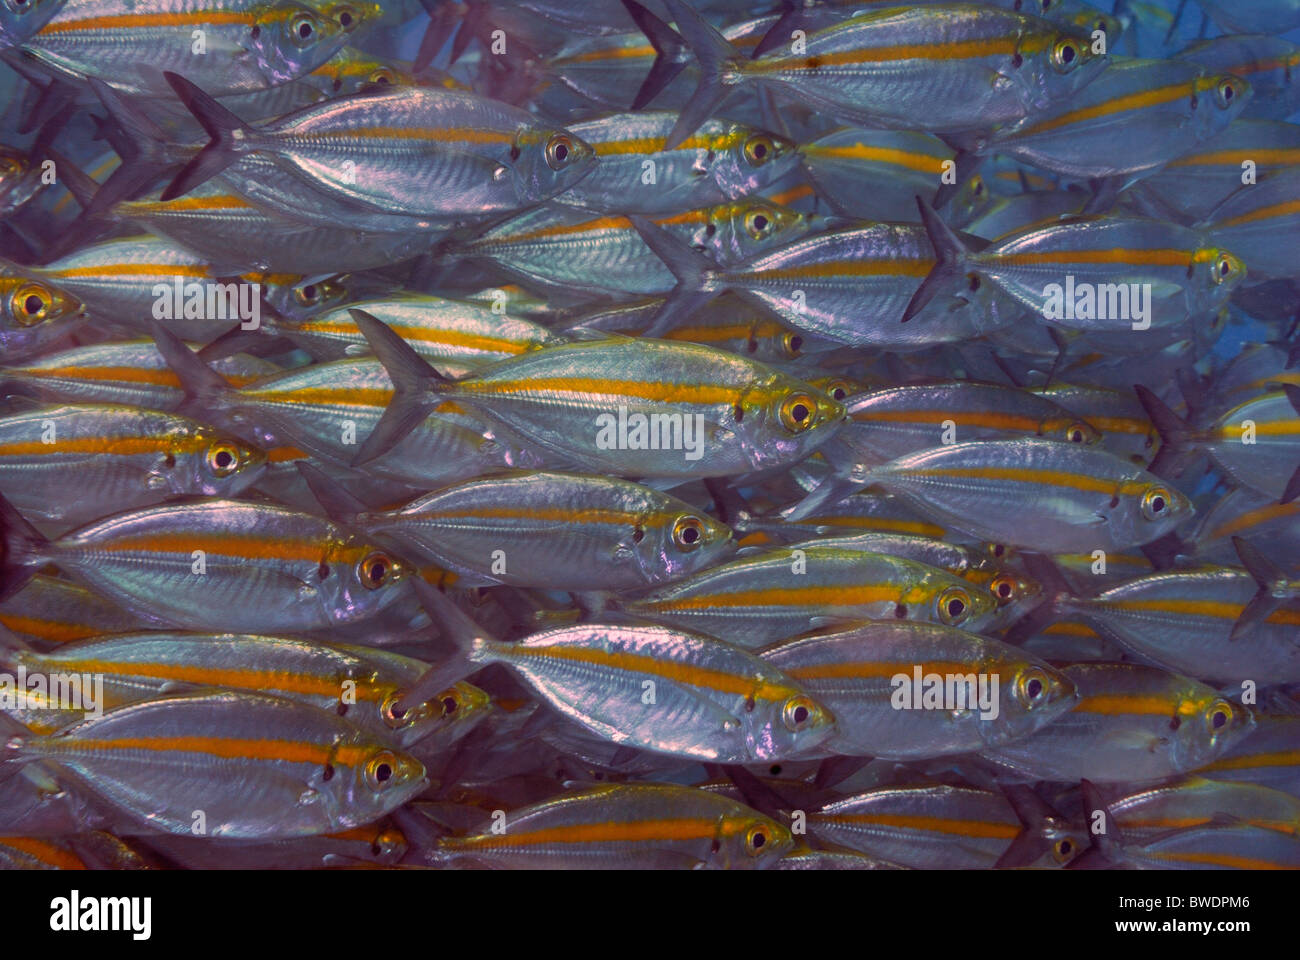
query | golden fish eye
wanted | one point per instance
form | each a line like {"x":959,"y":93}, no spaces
{"x":759,"y":223}
{"x":1031,"y":686}
{"x":954,"y":606}
{"x":450,"y":702}
{"x":688,"y":532}
{"x":381,"y":76}
{"x":977,"y":186}
{"x":31,"y":304}
{"x":797,"y":712}
{"x":839,"y":389}
{"x":396,"y":718}
{"x":1063,"y":850}
{"x":756,"y":839}
{"x":1218,"y":716}
{"x":223,"y":459}
{"x":303,"y":29}
{"x":797,"y":412}
{"x":1155,"y":503}
{"x":759,"y":149}
{"x":1077,"y":433}
{"x":1226,"y":267}
{"x":10,"y":166}
{"x":375,"y":571}
{"x":1065,"y":55}
{"x":1003,"y":589}
{"x":792,"y":343}
{"x":19,"y":6}
{"x":346,"y":16}
{"x":380,"y":769}
{"x":308,"y":295}
{"x":559,"y":152}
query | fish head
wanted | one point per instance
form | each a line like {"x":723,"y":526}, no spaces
{"x":780,"y":419}
{"x":299,"y":298}
{"x":217,"y":465}
{"x":357,"y":579}
{"x":20,"y":20}
{"x":546,"y":161}
{"x":20,"y":180}
{"x":289,"y":40}
{"x":782,"y":720}
{"x":376,"y":779}
{"x":34,"y":312}
{"x":1150,"y":511}
{"x":1206,"y":726}
{"x":683,"y":542}
{"x":459,"y":704}
{"x":751,"y":841}
{"x":1063,"y":63}
{"x":950,"y":600}
{"x":743,"y":228}
{"x":1031,"y":695}
{"x":751,"y":159}
{"x":1216,"y":101}
{"x":1214,"y":274}
{"x":1069,"y":430}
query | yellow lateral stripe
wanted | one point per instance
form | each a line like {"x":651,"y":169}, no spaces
{"x":848,"y":670}
{"x":695,"y":828}
{"x":231,"y":677}
{"x":1055,"y":478}
{"x":117,"y":446}
{"x":639,"y":389}
{"x":229,"y":748}
{"x":143,"y":21}
{"x":241,"y":546}
{"x":922,"y":162}
{"x":1126,"y":255}
{"x":1118,"y":704}
{"x":941,"y":49}
{"x":1285,"y":209}
{"x":961,"y":828}
{"x":1282,"y":758}
{"x":43,"y":851}
{"x":686,"y":673}
{"x":1133,"y":101}
{"x":813,"y":594}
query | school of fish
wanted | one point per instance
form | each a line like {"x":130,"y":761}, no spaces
{"x":652,"y":434}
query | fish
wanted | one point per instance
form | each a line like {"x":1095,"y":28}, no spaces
{"x":1130,"y":724}
{"x":321,"y":774}
{"x":228,"y":564}
{"x":856,"y":672}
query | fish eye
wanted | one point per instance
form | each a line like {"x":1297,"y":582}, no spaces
{"x":1226,"y":267}
{"x":450,"y":702}
{"x":31,"y":304}
{"x":19,"y":6}
{"x":839,"y":389}
{"x":1155,"y":503}
{"x":954,"y":606}
{"x":755,"y":839}
{"x":396,"y":718}
{"x":10,"y":166}
{"x":759,"y":149}
{"x":1218,"y":716}
{"x":380,"y":769}
{"x":977,"y":186}
{"x":792,"y":343}
{"x":797,"y":712}
{"x":688,"y":532}
{"x":1003,"y":588}
{"x":303,"y":29}
{"x":559,"y":152}
{"x":307,"y":295}
{"x":376,"y":570}
{"x":1065,"y":54}
{"x":382,"y":75}
{"x":1063,"y":850}
{"x":797,"y":412}
{"x":223,"y":459}
{"x":758,"y":223}
{"x":1077,"y":433}
{"x":346,"y":16}
{"x":1225,"y":93}
{"x":1031,"y":686}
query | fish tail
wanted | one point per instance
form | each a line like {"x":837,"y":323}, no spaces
{"x":415,"y":385}
{"x":831,"y":491}
{"x":337,"y":502}
{"x":712,"y":52}
{"x":694,"y":270}
{"x":1274,"y":587}
{"x":22,"y":550}
{"x":220,"y":124}
{"x":950,"y":260}
{"x":1176,"y":434}
{"x":443,"y":20}
{"x":143,"y":147}
{"x":796,"y":17}
{"x":669,"y":53}
{"x":201,"y":383}
{"x":1107,"y":845}
{"x":467,"y":638}
{"x":1032,"y":841}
